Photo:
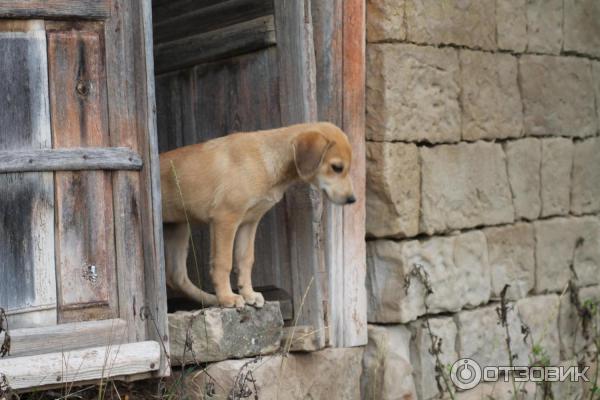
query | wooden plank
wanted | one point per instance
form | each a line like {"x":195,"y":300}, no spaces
{"x":75,"y":159}
{"x":354,"y":312}
{"x":58,"y":338}
{"x":205,"y":19}
{"x":298,"y":103}
{"x":163,"y":10}
{"x":222,"y":43}
{"x":26,"y":200}
{"x":84,"y":236}
{"x":327,"y":24}
{"x":80,"y":365}
{"x":154,"y":272}
{"x":86,"y":9}
{"x":121,"y":80}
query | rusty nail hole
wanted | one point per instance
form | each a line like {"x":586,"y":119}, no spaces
{"x":58,"y":378}
{"x":85,"y":157}
{"x":31,"y":161}
{"x":152,"y":365}
{"x":82,"y":88}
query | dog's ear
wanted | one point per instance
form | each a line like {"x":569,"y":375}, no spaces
{"x":309,"y":152}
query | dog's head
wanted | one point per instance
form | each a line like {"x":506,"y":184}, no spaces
{"x":323,"y":157}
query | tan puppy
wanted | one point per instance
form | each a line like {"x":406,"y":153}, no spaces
{"x":230,"y":183}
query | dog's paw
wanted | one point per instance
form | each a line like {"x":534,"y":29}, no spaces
{"x":254,"y":299}
{"x":231,"y":300}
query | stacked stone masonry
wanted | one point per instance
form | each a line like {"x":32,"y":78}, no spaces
{"x":483,"y":173}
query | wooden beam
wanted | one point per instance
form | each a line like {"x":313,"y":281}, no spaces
{"x":304,"y":205}
{"x":199,"y":19}
{"x":80,"y":365}
{"x":327,"y":32}
{"x":155,"y":312}
{"x":215,"y":45}
{"x":72,"y":159}
{"x":163,"y":10}
{"x":58,"y":338}
{"x":354,"y":313}
{"x":86,"y":9}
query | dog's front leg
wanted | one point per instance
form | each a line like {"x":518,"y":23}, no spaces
{"x":244,"y":258}
{"x":222,"y":236}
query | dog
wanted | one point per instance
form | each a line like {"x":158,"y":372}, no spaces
{"x":230,"y":183}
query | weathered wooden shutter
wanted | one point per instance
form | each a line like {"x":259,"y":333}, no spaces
{"x":80,"y":231}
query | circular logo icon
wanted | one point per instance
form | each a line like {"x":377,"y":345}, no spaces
{"x":465,"y":374}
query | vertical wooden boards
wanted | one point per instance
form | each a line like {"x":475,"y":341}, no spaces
{"x":327,"y":33}
{"x":155,"y":311}
{"x":27,"y":282}
{"x":304,"y":205}
{"x":84,"y":237}
{"x":121,"y":80}
{"x":354,"y":312}
{"x":240,"y":94}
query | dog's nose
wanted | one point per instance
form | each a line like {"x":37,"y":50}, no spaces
{"x":350,"y":199}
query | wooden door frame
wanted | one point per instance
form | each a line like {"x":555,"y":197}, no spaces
{"x":330,"y":37}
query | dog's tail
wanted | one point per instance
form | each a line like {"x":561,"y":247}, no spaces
{"x":207,"y":299}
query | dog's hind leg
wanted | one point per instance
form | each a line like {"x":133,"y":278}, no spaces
{"x":177,"y":239}
{"x":244,"y":258}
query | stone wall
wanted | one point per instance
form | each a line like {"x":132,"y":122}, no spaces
{"x":484,"y":170}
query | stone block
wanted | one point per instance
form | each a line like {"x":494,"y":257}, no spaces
{"x":421,"y":357}
{"x":544,"y":26}
{"x":327,"y":374}
{"x":412,"y":93}
{"x":481,"y":337}
{"x":385,"y":20}
{"x":596,"y":79}
{"x":215,"y":334}
{"x":499,"y":391}
{"x":567,"y":389}
{"x":299,"y":338}
{"x":557,"y":163}
{"x":524,"y":158}
{"x":490,"y":98}
{"x":540,"y":315}
{"x":562,"y":243}
{"x":581,"y":27}
{"x":463,"y":186}
{"x":393,"y":189}
{"x":511,"y":252}
{"x":557,"y":95}
{"x":585,"y":187}
{"x":470,"y":23}
{"x":576,"y":334}
{"x":511,"y":21}
{"x":387,"y":371}
{"x":457,"y":268}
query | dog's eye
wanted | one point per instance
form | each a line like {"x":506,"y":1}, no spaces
{"x":337,"y":168}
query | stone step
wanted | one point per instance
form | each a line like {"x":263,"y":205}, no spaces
{"x":216,"y":334}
